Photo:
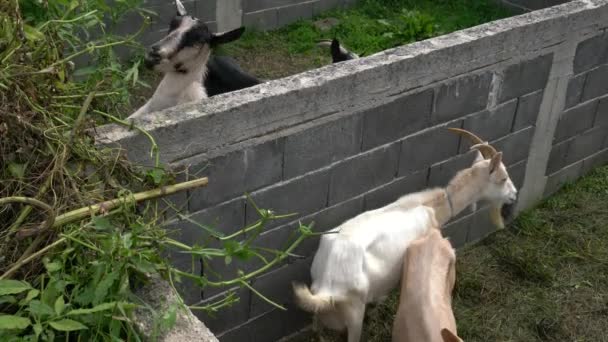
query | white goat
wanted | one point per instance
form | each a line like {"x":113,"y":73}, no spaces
{"x":183,"y":56}
{"x":425,"y":302}
{"x":361,"y":261}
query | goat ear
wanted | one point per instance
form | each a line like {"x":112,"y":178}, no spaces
{"x":495,"y":161}
{"x":449,"y":336}
{"x":227,"y":37}
{"x":181,"y":10}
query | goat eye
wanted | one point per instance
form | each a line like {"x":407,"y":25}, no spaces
{"x":504,"y":180}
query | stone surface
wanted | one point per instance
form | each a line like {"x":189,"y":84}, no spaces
{"x":491,"y":124}
{"x":527,"y":110}
{"x":591,"y":52}
{"x":159,"y":295}
{"x":575,"y":90}
{"x":596,"y":84}
{"x":575,"y":121}
{"x":397,"y":119}
{"x":466,"y":95}
{"x":525,"y":77}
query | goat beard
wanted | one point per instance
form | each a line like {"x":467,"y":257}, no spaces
{"x":500,"y":213}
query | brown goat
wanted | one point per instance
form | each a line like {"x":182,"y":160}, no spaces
{"x":425,"y":303}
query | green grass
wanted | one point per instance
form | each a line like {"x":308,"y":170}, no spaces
{"x":541,"y":279}
{"x":369,"y":27}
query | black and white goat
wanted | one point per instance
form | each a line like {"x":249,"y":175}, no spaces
{"x":190,"y":72}
{"x":338,"y":52}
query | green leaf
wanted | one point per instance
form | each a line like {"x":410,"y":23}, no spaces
{"x":53,"y":266}
{"x":8,"y":299}
{"x":104,"y":285}
{"x":127,"y":240}
{"x":97,"y":308}
{"x":16,"y":170}
{"x":9,"y":286}
{"x":31,"y":33}
{"x":101,"y":223}
{"x":168,"y":319}
{"x":143,"y":266}
{"x":37,"y":329}
{"x":30,"y":295}
{"x":13,"y":322}
{"x":85,"y":71}
{"x":67,"y":325}
{"x":156,"y":175}
{"x":41,"y":309}
{"x":59,"y":305}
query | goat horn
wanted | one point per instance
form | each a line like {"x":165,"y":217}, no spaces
{"x":487,"y":151}
{"x":474,"y":139}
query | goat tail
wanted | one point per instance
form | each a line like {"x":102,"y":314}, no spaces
{"x":310,"y":302}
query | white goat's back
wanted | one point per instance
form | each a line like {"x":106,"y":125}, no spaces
{"x":364,"y":255}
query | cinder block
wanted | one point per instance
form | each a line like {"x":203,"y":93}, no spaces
{"x":575,"y":90}
{"x":558,"y":155}
{"x":188,"y":233}
{"x":363,"y":172}
{"x":397,"y":119}
{"x":561,"y":177}
{"x":233,"y":174}
{"x":491,"y":124}
{"x":515,"y":146}
{"x":229,"y":316}
{"x":575,"y":121}
{"x":239,"y":333}
{"x":598,"y":159}
{"x":327,"y":219}
{"x":517,"y":173}
{"x":527,"y":110}
{"x":205,"y":10}
{"x":322,"y":145}
{"x":596,"y":83}
{"x":394,"y":190}
{"x":325,"y":5}
{"x":262,"y":20}
{"x":441,"y":173}
{"x":276,"y":286}
{"x":256,"y":5}
{"x":586,"y":144}
{"x":525,"y":77}
{"x":277,"y":323}
{"x":481,"y":226}
{"x":591,"y":53}
{"x":431,"y":146}
{"x":601,"y":116}
{"x":290,"y":14}
{"x":456,"y":231}
{"x":303,"y":195}
{"x":468,"y":94}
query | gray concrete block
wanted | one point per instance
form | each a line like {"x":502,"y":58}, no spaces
{"x":527,"y":110}
{"x":361,"y":173}
{"x":431,"y":146}
{"x":598,"y":159}
{"x":575,"y":90}
{"x":235,"y":173}
{"x":206,"y":10}
{"x":575,"y":121}
{"x":290,"y":14}
{"x":601,"y":116}
{"x":481,"y":226}
{"x":229,"y":316}
{"x":517,"y":173}
{"x":591,"y":53}
{"x":276,"y":286}
{"x":397,"y":119}
{"x":468,"y":94}
{"x":558,"y":155}
{"x":322,"y":145}
{"x":441,"y":173}
{"x":561,"y":177}
{"x":303,"y":195}
{"x":456,"y":231}
{"x":491,"y":124}
{"x":262,"y":20}
{"x":325,"y":5}
{"x":525,"y":77}
{"x":596,"y":83}
{"x":256,"y":5}
{"x":586,"y":144}
{"x":188,"y":233}
{"x":515,"y":146}
{"x":394,"y":190}
{"x":225,"y":218}
{"x":277,"y":323}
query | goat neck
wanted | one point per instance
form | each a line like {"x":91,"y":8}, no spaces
{"x":462,"y":191}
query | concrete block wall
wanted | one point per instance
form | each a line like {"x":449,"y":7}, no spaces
{"x":333,"y":142}
{"x":531,"y":5}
